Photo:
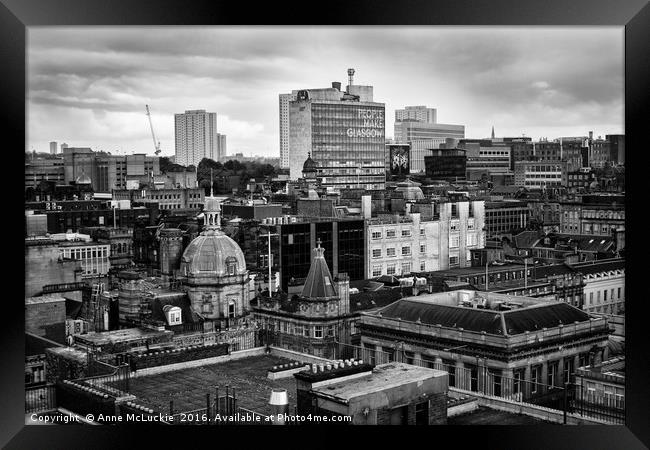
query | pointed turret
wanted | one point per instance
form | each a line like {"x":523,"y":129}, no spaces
{"x":319,"y":283}
{"x":212,"y":210}
{"x":492,"y":131}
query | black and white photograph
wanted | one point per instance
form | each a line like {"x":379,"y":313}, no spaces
{"x":292,"y":225}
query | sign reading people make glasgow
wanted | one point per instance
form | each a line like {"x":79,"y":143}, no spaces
{"x":370,"y":124}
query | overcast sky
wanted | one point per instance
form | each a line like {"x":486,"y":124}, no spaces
{"x":88,"y":86}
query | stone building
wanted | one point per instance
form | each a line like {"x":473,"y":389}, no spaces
{"x":213,"y":269}
{"x":497,"y":344}
{"x":315,"y":319}
{"x":604,"y":281}
{"x":424,"y":240}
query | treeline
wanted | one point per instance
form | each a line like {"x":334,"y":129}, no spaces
{"x":232,"y":174}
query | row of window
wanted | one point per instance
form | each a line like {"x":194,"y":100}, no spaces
{"x":86,"y":252}
{"x":604,"y":292}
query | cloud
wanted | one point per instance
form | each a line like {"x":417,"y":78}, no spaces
{"x":91,"y":84}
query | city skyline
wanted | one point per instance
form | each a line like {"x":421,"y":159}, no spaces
{"x":87,"y":86}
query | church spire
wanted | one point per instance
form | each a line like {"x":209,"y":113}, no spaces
{"x":492,"y":131}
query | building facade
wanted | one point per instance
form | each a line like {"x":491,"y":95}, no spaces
{"x":94,"y":257}
{"x":38,"y":170}
{"x":344,"y":133}
{"x":493,"y":343}
{"x":105,"y":171}
{"x":541,"y":175}
{"x":410,"y":130}
{"x":416,"y":113}
{"x":184,"y":198}
{"x":505,"y":217}
{"x":195,"y":137}
{"x":402,"y":245}
{"x":213,"y":269}
{"x":446,"y":164}
{"x":604,"y":289}
{"x":315,"y":318}
{"x":284,"y":128}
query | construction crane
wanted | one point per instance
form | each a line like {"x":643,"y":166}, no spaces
{"x":156,"y":144}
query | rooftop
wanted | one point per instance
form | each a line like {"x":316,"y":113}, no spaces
{"x":495,"y":314}
{"x":126,"y":334}
{"x":487,"y":416}
{"x":188,"y":388}
{"x":381,"y":378}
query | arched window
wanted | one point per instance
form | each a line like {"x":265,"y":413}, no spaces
{"x":231,"y":265}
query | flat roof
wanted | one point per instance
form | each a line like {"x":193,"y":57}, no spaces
{"x":187,"y":388}
{"x":382,"y":377}
{"x":487,"y":416}
{"x":70,"y":353}
{"x":126,"y":334}
{"x":44,"y":299}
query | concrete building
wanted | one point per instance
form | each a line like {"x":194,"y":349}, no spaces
{"x":343,"y":131}
{"x":94,"y":256}
{"x":416,"y":113}
{"x":388,"y":394}
{"x":604,"y":288}
{"x":541,"y":175}
{"x":404,"y":244}
{"x":45,"y":317}
{"x":105,"y":171}
{"x":617,"y":148}
{"x":487,"y":159}
{"x":284,"y":128}
{"x":505,"y":216}
{"x":53,"y":147}
{"x":38,"y":170}
{"x":195,"y":137}
{"x":120,"y":240}
{"x":167,"y":199}
{"x":222,"y":150}
{"x":494,"y":343}
{"x":44,"y":266}
{"x":409,"y":130}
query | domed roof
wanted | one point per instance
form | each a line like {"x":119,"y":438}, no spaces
{"x":83,"y":179}
{"x":310,"y":165}
{"x":209,"y":254}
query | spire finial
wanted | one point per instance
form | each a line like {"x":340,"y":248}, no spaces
{"x":318,"y":242}
{"x":211,"y":182}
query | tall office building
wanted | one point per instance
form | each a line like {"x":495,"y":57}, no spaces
{"x":63,"y":147}
{"x":345,"y":133}
{"x":196,"y":137}
{"x":53,"y":146}
{"x":221,"y":146}
{"x":284,"y":128}
{"x":416,"y":113}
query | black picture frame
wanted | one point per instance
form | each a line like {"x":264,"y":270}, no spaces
{"x":16,"y":15}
